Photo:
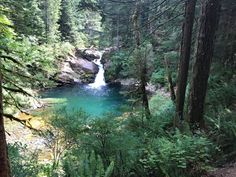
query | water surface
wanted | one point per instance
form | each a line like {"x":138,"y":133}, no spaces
{"x":95,"y":102}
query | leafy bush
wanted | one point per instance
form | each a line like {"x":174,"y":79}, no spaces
{"x":108,"y":138}
{"x":222,"y":88}
{"x":159,"y":77}
{"x":23,"y":163}
{"x":220,"y":111}
{"x":72,"y":124}
{"x":31,"y":67}
{"x":105,"y":136}
{"x":139,"y":147}
{"x":178,"y":156}
{"x":126,"y":63}
{"x":117,"y":65}
{"x":162,"y":106}
{"x":85,"y":165}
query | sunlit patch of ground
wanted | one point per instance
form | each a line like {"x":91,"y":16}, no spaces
{"x":29,"y":134}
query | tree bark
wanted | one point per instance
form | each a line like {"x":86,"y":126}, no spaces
{"x":184,"y":58}
{"x":170,"y":80}
{"x":4,"y":165}
{"x":205,"y":47}
{"x":143,"y":62}
{"x":144,"y":93}
{"x":230,"y":39}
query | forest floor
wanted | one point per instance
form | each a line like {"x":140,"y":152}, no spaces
{"x":228,"y":170}
{"x":18,"y":133}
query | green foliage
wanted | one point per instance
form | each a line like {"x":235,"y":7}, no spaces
{"x":109,"y":146}
{"x":221,"y":87}
{"x":125,"y":64}
{"x":80,"y":22}
{"x":159,"y":77}
{"x":118,"y":65}
{"x":138,"y":147}
{"x":68,"y":20}
{"x":178,"y":155}
{"x":125,"y":142}
{"x":85,"y":165}
{"x":52,"y":17}
{"x":79,"y":26}
{"x":23,"y":163}
{"x":142,"y":57}
{"x":117,"y":23}
{"x":109,"y":170}
{"x":5,"y":30}
{"x":27,"y":17}
{"x":62,"y":119}
{"x":105,"y":136}
{"x":163,"y":111}
{"x":220,"y":111}
{"x":162,"y":106}
{"x":31,"y":68}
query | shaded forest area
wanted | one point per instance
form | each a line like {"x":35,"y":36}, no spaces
{"x":185,"y":49}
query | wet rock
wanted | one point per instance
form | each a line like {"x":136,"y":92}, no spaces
{"x":76,"y":70}
{"x":132,"y":84}
{"x":128,"y":82}
{"x":67,"y":75}
{"x":88,"y":54}
{"x":81,"y":64}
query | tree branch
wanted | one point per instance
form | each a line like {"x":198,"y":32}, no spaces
{"x":23,"y":122}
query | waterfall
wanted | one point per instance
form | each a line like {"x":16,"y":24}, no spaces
{"x":99,"y":79}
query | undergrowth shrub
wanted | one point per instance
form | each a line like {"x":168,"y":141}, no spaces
{"x":82,"y":164}
{"x":105,"y":136}
{"x":23,"y":162}
{"x":162,"y":106}
{"x":159,"y":77}
{"x":109,"y":139}
{"x":138,"y":147}
{"x":220,"y":111}
{"x":117,"y":62}
{"x":163,"y":111}
{"x":178,"y":155}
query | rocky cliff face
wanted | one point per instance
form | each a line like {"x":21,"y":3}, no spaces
{"x":78,"y":68}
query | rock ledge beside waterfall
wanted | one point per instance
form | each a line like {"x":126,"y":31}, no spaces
{"x":78,"y":67}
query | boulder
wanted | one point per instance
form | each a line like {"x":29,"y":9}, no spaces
{"x":67,"y":75}
{"x":132,"y":83}
{"x":79,"y":64}
{"x":67,"y":78}
{"x":76,"y":70}
{"x":89,"y":54}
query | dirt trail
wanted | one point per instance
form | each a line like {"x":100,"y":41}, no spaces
{"x":227,"y":171}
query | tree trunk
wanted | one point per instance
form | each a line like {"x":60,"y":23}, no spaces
{"x":143,"y":62}
{"x":170,"y":80}
{"x":144,"y":93}
{"x":184,"y":58}
{"x":230,"y":39}
{"x":4,"y":165}
{"x":208,"y":26}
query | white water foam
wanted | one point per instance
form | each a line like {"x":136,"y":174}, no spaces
{"x":99,"y":81}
